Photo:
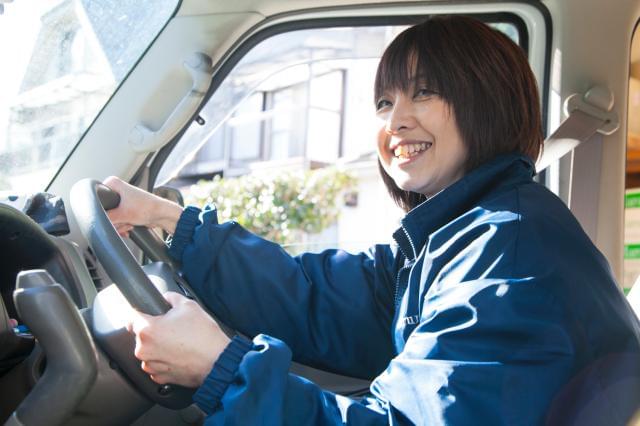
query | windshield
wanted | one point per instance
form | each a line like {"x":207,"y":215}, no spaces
{"x":62,"y":60}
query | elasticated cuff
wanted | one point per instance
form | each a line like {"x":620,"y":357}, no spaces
{"x":215,"y":385}
{"x":189,"y":219}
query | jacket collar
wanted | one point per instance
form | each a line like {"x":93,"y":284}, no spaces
{"x":502,"y":172}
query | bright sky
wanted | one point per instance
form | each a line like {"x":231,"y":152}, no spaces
{"x":19,"y":26}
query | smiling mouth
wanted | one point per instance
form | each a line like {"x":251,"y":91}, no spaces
{"x":411,"y":150}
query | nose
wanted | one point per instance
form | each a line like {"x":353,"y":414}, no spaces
{"x":401,"y":116}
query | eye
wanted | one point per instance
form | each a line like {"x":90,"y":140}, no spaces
{"x":381,"y":104}
{"x":423,"y":93}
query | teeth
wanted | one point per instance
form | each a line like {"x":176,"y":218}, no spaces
{"x":410,"y":150}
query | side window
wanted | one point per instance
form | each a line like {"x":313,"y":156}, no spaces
{"x":632,"y":183}
{"x":288,"y":142}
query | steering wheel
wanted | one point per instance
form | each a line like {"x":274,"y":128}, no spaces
{"x":89,"y":199}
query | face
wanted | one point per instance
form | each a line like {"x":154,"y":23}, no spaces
{"x":420,"y":145}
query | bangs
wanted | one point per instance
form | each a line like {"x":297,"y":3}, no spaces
{"x":405,"y":63}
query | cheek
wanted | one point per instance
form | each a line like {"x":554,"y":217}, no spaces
{"x":382,"y":144}
{"x":383,"y":159}
{"x":455,"y":151}
{"x":458,"y":160}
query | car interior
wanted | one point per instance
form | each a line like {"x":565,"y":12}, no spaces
{"x":240,"y":103}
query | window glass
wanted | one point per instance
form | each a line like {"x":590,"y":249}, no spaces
{"x":295,"y":127}
{"x":245,"y":129}
{"x":62,"y":60}
{"x":632,"y":196}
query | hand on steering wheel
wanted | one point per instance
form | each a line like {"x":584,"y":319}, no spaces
{"x":180,"y":346}
{"x":89,"y":198}
{"x":140,"y":208}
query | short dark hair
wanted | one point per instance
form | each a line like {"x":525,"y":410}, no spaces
{"x":481,"y":74}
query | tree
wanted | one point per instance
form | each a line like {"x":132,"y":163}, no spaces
{"x":280,"y":207}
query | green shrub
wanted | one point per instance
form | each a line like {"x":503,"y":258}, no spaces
{"x":279,"y":206}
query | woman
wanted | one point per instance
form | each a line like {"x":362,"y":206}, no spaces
{"x":491,"y":307}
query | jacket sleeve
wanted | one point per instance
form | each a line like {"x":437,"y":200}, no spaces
{"x":496,"y":358}
{"x":250,"y":385}
{"x":333,"y":309}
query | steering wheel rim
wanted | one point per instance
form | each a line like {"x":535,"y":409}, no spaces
{"x":88,"y":201}
{"x":121,"y":266}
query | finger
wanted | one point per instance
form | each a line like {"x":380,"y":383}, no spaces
{"x":146,"y":351}
{"x":160,"y":379}
{"x":113,"y":182}
{"x":154,"y":367}
{"x":140,"y":350}
{"x":116,"y":217}
{"x":174,"y":298}
{"x":123,"y":227}
{"x":147,"y":368}
{"x":140,"y":323}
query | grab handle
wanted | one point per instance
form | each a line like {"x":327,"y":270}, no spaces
{"x":143,"y":139}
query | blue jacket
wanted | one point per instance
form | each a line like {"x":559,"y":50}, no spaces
{"x":493,"y":307}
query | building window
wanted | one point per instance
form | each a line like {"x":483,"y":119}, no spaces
{"x":244,"y":130}
{"x":301,"y":120}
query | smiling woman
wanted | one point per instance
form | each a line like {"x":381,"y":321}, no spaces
{"x":467,"y":107}
{"x":477,"y":313}
{"x":484,"y":304}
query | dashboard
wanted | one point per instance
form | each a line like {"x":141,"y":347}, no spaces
{"x":30,"y":236}
{"x":34,"y":234}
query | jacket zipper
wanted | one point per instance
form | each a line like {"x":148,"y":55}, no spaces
{"x":398,"y":293}
{"x":413,"y":248}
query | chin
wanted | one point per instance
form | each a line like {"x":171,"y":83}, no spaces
{"x":406,"y":183}
{"x":409,"y":186}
